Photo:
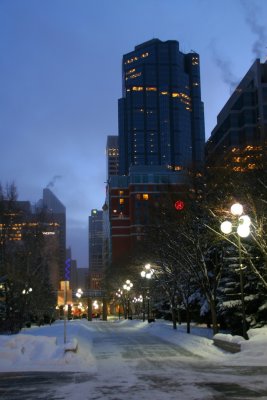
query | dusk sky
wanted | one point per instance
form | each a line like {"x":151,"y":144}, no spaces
{"x":60,"y":80}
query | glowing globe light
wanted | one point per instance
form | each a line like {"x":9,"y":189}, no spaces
{"x":226,"y":227}
{"x":243,"y":230}
{"x":245,"y":220}
{"x":237,"y":209}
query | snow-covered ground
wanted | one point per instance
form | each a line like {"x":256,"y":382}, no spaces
{"x":43,"y":348}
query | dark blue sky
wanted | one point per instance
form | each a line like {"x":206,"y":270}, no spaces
{"x":60,"y":79}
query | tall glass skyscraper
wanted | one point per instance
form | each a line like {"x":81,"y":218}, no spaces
{"x":161,"y":115}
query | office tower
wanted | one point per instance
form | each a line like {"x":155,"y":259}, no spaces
{"x":71,"y":265}
{"x":161,"y":115}
{"x":95,"y":249}
{"x":56,"y":211}
{"x":112,"y":156}
{"x":239,"y":140}
{"x":21,"y":224}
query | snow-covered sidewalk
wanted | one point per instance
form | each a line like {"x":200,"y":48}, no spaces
{"x":43,"y":348}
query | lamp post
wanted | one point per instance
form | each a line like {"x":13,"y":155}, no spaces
{"x":136,"y":301}
{"x":147,"y":273}
{"x":243,"y":231}
{"x":26,"y":292}
{"x":119,"y":294}
{"x":127,"y":286}
{"x":79,"y":294}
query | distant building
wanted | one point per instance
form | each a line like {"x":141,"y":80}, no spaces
{"x":161,"y":115}
{"x":19,"y":222}
{"x":239,"y":140}
{"x":95,"y":249}
{"x":57,"y":212}
{"x":112,"y":156}
{"x":71,"y":265}
{"x":82,"y":279}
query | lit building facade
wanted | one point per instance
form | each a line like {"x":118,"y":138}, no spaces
{"x":132,"y":197}
{"x":112,"y":156}
{"x":161,"y":115}
{"x":95,"y":249}
{"x":21,"y":222}
{"x":239,"y":140}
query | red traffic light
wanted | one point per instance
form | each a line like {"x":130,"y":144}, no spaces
{"x":179,"y":205}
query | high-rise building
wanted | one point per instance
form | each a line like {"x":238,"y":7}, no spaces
{"x":161,"y":115}
{"x":161,"y":139}
{"x":95,"y":249}
{"x":239,"y":140}
{"x":57,"y":212}
{"x":19,"y":222}
{"x":112,"y":156}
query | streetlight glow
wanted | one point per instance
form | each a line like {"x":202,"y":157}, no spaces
{"x":237,"y":209}
{"x":243,"y":230}
{"x":226,"y":227}
{"x":245,"y":220}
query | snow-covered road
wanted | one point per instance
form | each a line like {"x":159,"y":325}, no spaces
{"x":133,"y":361}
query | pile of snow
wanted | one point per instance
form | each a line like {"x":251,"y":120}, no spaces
{"x":229,"y":338}
{"x":43,"y":349}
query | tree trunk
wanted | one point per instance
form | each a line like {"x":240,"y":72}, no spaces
{"x":174,"y":318}
{"x":214,"y":317}
{"x":188,"y":320}
{"x":179,"y":316}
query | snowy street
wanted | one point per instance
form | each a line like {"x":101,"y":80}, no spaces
{"x":127,"y":359}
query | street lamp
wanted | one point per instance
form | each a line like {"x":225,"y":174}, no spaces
{"x":243,"y":231}
{"x":136,"y":301}
{"x":79,"y":293}
{"x":119,"y":294}
{"x":147,"y":273}
{"x":127,"y":286}
{"x":26,"y":292}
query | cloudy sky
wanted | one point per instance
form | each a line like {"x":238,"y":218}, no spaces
{"x":60,"y":80}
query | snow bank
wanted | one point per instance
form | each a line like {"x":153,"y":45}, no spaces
{"x":229,"y":338}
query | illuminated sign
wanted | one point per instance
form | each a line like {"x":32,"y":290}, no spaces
{"x":179,"y":205}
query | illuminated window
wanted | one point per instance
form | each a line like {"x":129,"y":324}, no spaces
{"x":145,"y":55}
{"x":178,"y":168}
{"x":164,"y":93}
{"x":145,"y":196}
{"x":195,"y":84}
{"x":151,"y":89}
{"x":121,"y":192}
{"x":121,"y":201}
{"x":138,"y":88}
{"x":130,"y":71}
{"x":135,"y":75}
{"x":175,"y":95}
